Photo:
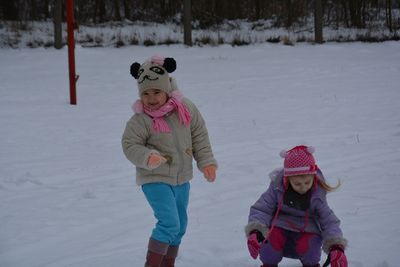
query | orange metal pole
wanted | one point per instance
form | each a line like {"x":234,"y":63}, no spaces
{"x":71,"y":52}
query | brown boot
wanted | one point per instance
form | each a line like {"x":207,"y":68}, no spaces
{"x":155,"y":253}
{"x":169,"y":259}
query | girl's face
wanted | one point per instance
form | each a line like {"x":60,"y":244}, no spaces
{"x":301,"y":183}
{"x":154,"y":98}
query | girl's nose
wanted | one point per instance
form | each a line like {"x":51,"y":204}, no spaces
{"x":152,"y":99}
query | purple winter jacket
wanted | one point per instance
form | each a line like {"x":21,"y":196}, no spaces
{"x":321,"y":219}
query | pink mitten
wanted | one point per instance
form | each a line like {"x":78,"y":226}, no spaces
{"x":253,"y":245}
{"x":337,"y":256}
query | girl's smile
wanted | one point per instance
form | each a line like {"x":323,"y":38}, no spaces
{"x":154,"y":98}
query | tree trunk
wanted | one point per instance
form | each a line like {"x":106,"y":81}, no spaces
{"x":318,"y":22}
{"x":117,"y":13}
{"x":127,"y":9}
{"x":187,"y":22}
{"x":389,"y":14}
{"x":220,"y":9}
{"x":57,"y":13}
{"x":355,"y":8}
{"x":257,"y":6}
{"x":33,"y":10}
{"x":10,"y":10}
{"x":345,"y":13}
{"x":289,"y":13}
{"x":46,"y":9}
{"x":99,"y":11}
{"x":337,"y":11}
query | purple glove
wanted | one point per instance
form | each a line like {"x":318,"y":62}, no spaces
{"x":253,"y":245}
{"x":337,"y":257}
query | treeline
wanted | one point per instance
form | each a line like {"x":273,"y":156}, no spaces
{"x":284,"y":13}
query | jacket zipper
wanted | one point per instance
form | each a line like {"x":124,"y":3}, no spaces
{"x":176,"y":142}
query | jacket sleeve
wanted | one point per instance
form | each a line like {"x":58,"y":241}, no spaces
{"x":330,"y":226}
{"x":201,"y":146}
{"x":134,"y":140}
{"x":262,"y":212}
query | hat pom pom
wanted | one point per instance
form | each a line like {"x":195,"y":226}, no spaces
{"x":311,"y":149}
{"x":157,"y":59}
{"x":137,"y":107}
{"x":283,"y":153}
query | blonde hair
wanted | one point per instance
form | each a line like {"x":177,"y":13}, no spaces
{"x":324,"y":185}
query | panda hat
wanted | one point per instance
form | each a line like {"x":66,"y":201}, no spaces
{"x":154,"y":74}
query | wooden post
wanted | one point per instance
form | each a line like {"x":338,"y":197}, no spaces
{"x":71,"y":52}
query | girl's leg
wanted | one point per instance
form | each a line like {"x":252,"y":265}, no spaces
{"x":271,"y":252}
{"x":161,"y":198}
{"x":156,"y":252}
{"x":308,"y":247}
{"x":182,"y":200}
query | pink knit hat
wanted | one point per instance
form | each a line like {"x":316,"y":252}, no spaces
{"x":299,"y":160}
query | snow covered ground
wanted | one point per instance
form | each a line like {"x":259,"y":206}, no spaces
{"x":35,"y":34}
{"x":68,"y":195}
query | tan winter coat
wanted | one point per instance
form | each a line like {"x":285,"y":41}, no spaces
{"x":179,"y":147}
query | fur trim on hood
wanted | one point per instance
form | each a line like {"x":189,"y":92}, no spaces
{"x":276,"y":174}
{"x":251,"y":226}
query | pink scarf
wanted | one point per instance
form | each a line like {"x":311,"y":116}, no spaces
{"x":159,"y":123}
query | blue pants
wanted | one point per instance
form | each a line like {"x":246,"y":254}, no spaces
{"x":169,"y":204}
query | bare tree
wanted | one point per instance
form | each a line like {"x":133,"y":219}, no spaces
{"x":318,"y":22}
{"x":33,"y":10}
{"x":389,"y":15}
{"x":57,"y":12}
{"x":187,"y":22}
{"x":99,"y":14}
{"x":10,"y":10}
{"x":289,"y":17}
{"x":127,"y":9}
{"x":257,"y":7}
{"x":46,"y":13}
{"x":117,"y":12}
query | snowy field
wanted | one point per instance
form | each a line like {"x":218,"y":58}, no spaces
{"x":68,"y":195}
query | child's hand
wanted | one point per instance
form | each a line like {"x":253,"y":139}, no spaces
{"x":254,"y":242}
{"x":337,"y":257}
{"x":155,"y":160}
{"x":209,"y":172}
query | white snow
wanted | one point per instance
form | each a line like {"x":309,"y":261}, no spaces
{"x":68,"y":195}
{"x":35,"y":34}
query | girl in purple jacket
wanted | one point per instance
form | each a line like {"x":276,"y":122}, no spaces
{"x":292,"y":218}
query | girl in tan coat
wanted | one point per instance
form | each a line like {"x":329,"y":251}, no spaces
{"x":161,"y":139}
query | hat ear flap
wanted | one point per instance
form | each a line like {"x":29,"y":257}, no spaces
{"x":169,"y":64}
{"x":285,"y":182}
{"x":135,"y":70}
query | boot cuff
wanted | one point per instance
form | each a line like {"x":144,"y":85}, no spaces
{"x":158,"y":247}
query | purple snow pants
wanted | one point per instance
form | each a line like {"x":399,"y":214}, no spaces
{"x":283,"y":243}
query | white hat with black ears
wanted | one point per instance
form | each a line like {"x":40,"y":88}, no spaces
{"x":299,"y":160}
{"x":153,"y":74}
